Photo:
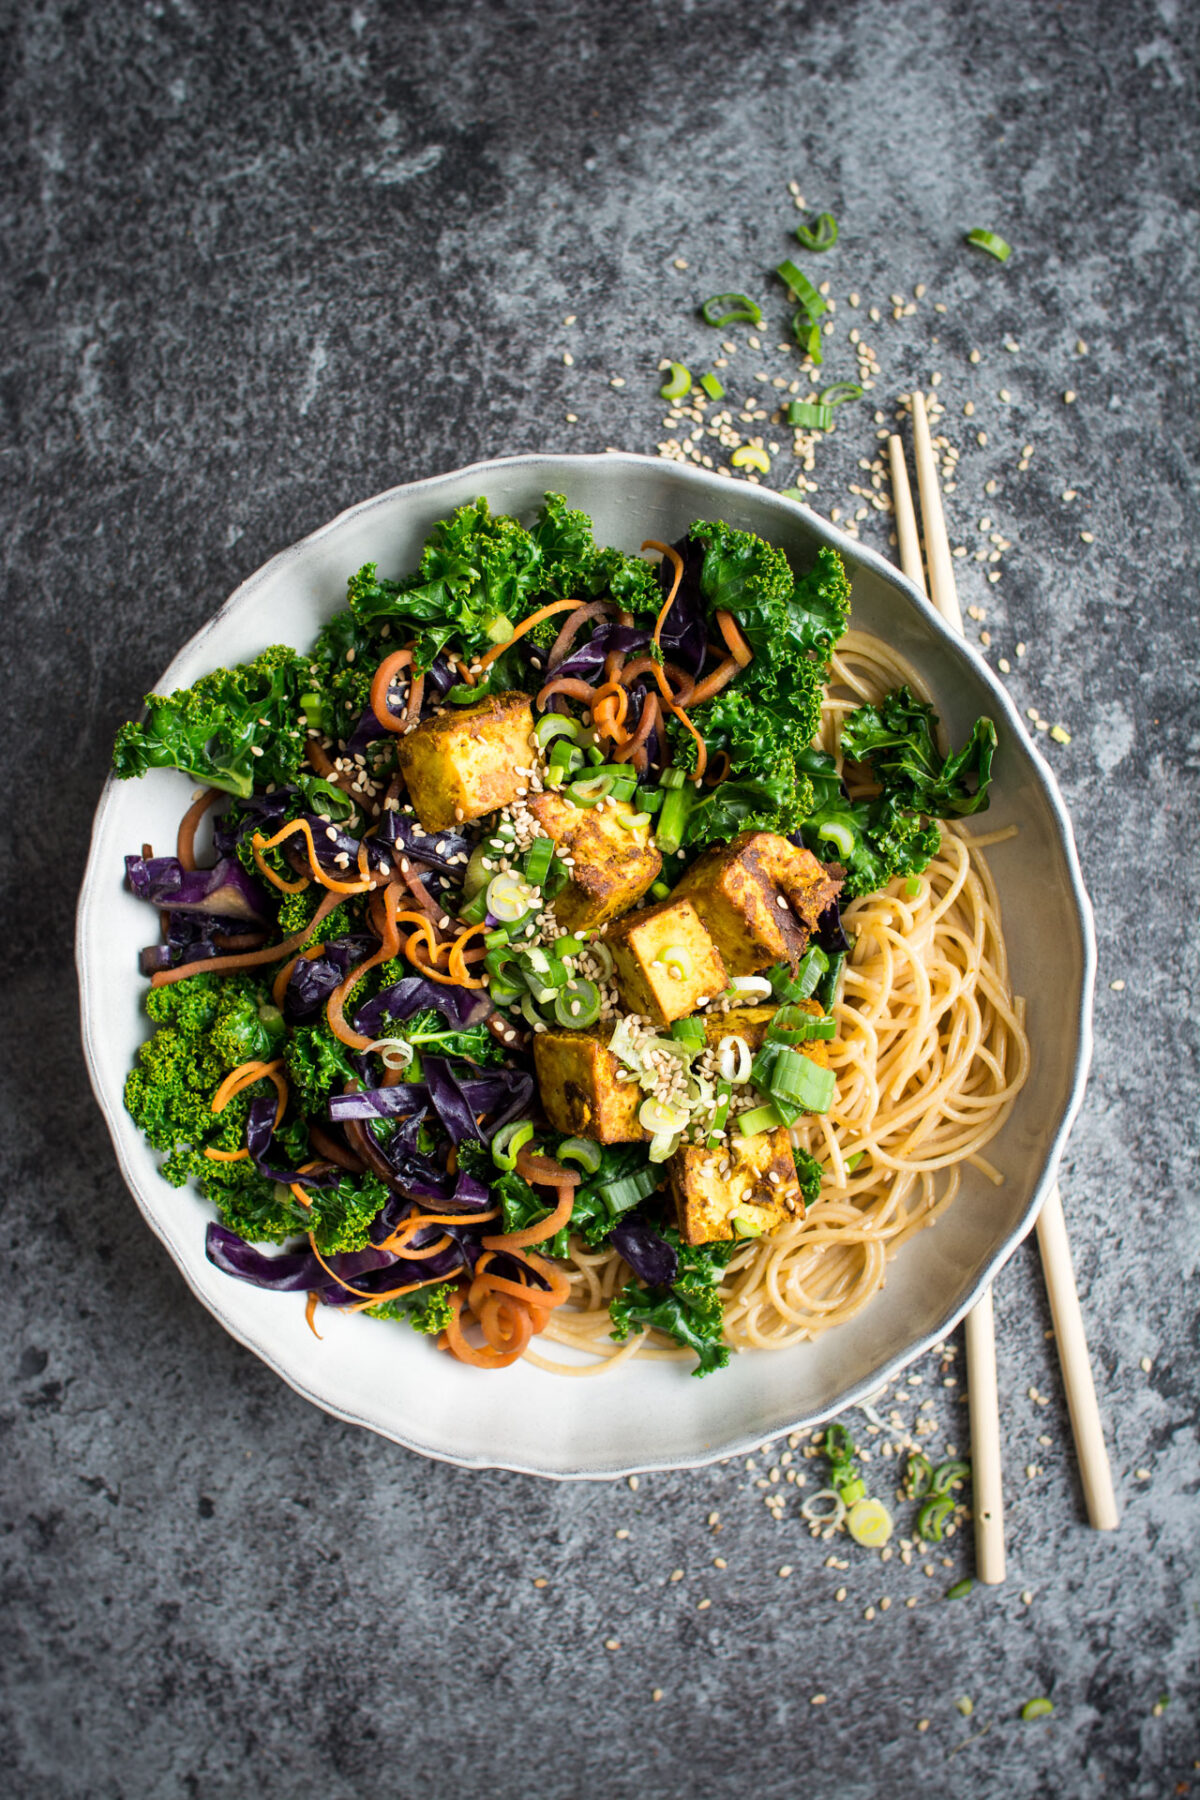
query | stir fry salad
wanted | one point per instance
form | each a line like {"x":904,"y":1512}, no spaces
{"x":521,"y":925}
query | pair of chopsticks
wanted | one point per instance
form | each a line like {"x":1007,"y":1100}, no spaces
{"x":984,"y":1403}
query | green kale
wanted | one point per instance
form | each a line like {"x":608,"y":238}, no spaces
{"x":429,"y":1310}
{"x":169,"y":1090}
{"x":766,"y":788}
{"x":261,"y":1211}
{"x":341,"y":1216}
{"x":897,"y":741}
{"x":429,"y":1034}
{"x":808,"y":1174}
{"x":231,"y":729}
{"x":317,"y":1063}
{"x":247,"y":1030}
{"x":689,"y":1310}
{"x":341,"y":665}
{"x":296,"y":911}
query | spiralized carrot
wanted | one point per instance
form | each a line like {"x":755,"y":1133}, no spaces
{"x":389,"y":946}
{"x":712,"y":684}
{"x":572,"y":686}
{"x":562,"y":643}
{"x":457,"y":966}
{"x":381,"y":683}
{"x":310,"y":1307}
{"x":461,"y":669}
{"x":371,"y":1299}
{"x":250,"y":959}
{"x":259,"y":843}
{"x":739,"y":649}
{"x":244,"y":1076}
{"x":610,"y":704}
{"x":279,"y":987}
{"x":535,"y":618}
{"x":484,"y":1356}
{"x":645,"y":725}
{"x":324,"y":1145}
{"x":185,"y":842}
{"x":669,"y":555}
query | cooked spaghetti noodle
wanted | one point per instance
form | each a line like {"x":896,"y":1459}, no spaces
{"x":930,"y":1054}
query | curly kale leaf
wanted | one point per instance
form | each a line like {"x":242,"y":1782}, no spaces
{"x":429,"y":1310}
{"x":231,"y":729}
{"x":766,"y":787}
{"x":317,"y":1063}
{"x":431,"y":1035}
{"x":898,"y":741}
{"x":340,"y":1217}
{"x":808,"y":1174}
{"x":340,"y":667}
{"x":689,"y":1310}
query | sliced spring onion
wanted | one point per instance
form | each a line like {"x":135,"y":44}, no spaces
{"x":1041,"y":1708}
{"x":677,"y":384}
{"x":744,"y":1225}
{"x":840,"y":392}
{"x":821,"y":236}
{"x":810,"y":336}
{"x":946,"y":1474}
{"x":796,"y":494}
{"x":508,"y":1140}
{"x":961,"y":1589}
{"x":812,"y":302}
{"x":932,"y":1516}
{"x":529,"y":1011}
{"x":568,"y":945}
{"x":734,"y":1060}
{"x":812,"y":965}
{"x":912,"y":887}
{"x":759,"y":1118}
{"x":852,"y":1162}
{"x":394,"y":1053}
{"x":869,"y":1523}
{"x":648,"y":799}
{"x":656,"y":1116}
{"x":600,"y":953}
{"x":660,"y":890}
{"x":728,"y":309}
{"x":807,"y":416}
{"x":626,"y":1192}
{"x":662,"y":1146}
{"x":796,"y":1025}
{"x":499,"y":629}
{"x":991,"y":242}
{"x":690,"y":1033}
{"x":840,"y":832}
{"x":538,"y":858}
{"x":676,"y":959}
{"x":826,"y":1507}
{"x":554,"y":725}
{"x":751,"y":456}
{"x":716,"y":1130}
{"x":475,"y":876}
{"x":672,"y":820}
{"x":745,"y":988}
{"x":796,"y":1080}
{"x":918,"y":1473}
{"x":507,"y":899}
{"x":829,"y":986}
{"x":577,"y":1005}
{"x":634,"y":821}
{"x":674,"y":777}
{"x":316,"y":713}
{"x":712,"y":387}
{"x":582,"y":1151}
{"x":474,"y":912}
{"x":852,"y":1490}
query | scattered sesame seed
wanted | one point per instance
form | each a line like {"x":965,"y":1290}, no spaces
{"x":1141,"y":1474}
{"x":1087,"y":537}
{"x":657,"y":1694}
{"x":612,"y":1643}
{"x":680,"y":263}
{"x":817,"y":1700}
{"x":568,"y":359}
{"x":922,"y":1724}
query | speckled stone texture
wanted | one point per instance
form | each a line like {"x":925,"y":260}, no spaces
{"x":264,"y":260}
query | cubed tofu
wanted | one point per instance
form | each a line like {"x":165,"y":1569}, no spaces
{"x":761,"y":1187}
{"x":665,"y":990}
{"x":613,"y":866}
{"x":751,"y":1023}
{"x":759,"y":898}
{"x":583,"y":1089}
{"x":466,"y":761}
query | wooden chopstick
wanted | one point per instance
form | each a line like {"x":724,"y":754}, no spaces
{"x":1095,"y":1471}
{"x":982,"y":1390}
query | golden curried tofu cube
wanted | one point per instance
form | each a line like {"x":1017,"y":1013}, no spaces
{"x":666,"y":963}
{"x":583,"y":1089}
{"x":759,"y":898}
{"x":761,"y":1188}
{"x":613,"y":866}
{"x":466,"y":761}
{"x":751,"y":1022}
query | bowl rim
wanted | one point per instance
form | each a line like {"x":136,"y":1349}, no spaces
{"x":715,"y":486}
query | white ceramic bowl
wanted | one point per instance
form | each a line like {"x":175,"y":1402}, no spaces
{"x":643,"y":1416}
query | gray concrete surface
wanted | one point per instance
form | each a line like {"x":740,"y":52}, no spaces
{"x":261,"y":261}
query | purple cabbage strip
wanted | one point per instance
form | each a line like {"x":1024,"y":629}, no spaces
{"x":258,"y":812}
{"x":440,"y":677}
{"x":506,"y":1093}
{"x":418,"y":1177}
{"x":459,"y":1006}
{"x":829,"y":934}
{"x":651,"y":1258}
{"x":224,"y":892}
{"x":449,"y":1100}
{"x":435,"y":848}
{"x":292,"y":1271}
{"x":311,"y":982}
{"x":260,"y":1130}
{"x":190,"y":938}
{"x":684,"y":636}
{"x":586,"y":661}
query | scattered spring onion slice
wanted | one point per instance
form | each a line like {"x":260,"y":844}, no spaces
{"x":508,"y":1141}
{"x":657,"y":1117}
{"x":1037,"y":1709}
{"x":808,"y":334}
{"x":634,"y":821}
{"x":554,"y":725}
{"x":568,"y":945}
{"x":932,"y":1516}
{"x":759,"y":1118}
{"x":744,"y":988}
{"x":538,"y":858}
{"x":395,"y":1053}
{"x":852,"y":1162}
{"x":991,"y":242}
{"x":627,"y":1190}
{"x":812,"y":302}
{"x":912,"y":887}
{"x":582,"y":1151}
{"x":577,"y":1005}
{"x":821,"y":236}
{"x":826,"y":1507}
{"x":961,"y":1589}
{"x":690,"y":1033}
{"x":475,"y":876}
{"x":806,"y":415}
{"x":734,"y":1060}
{"x":507,"y":899}
{"x":601,"y":954}
{"x":676,"y":959}
{"x":796,"y":494}
{"x":745,"y":1226}
{"x":750,"y":456}
{"x":840,"y":392}
{"x":727,"y":309}
{"x":677,"y":384}
{"x":840,"y":833}
{"x":712,"y":387}
{"x":869,"y":1523}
